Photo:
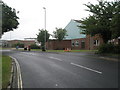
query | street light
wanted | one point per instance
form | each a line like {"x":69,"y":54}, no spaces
{"x":45,"y":26}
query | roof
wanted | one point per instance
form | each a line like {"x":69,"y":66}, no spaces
{"x":73,"y":31}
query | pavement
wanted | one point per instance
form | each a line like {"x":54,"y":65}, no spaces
{"x":65,"y":70}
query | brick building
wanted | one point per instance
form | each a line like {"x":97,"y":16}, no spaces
{"x":88,"y":43}
{"x":25,"y":42}
{"x":75,"y":40}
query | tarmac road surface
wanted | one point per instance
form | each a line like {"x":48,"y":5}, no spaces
{"x":77,"y":70}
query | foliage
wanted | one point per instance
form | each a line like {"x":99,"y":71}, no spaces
{"x":43,"y":37}
{"x":9,"y":18}
{"x":104,"y":20}
{"x":21,"y":45}
{"x":59,"y":34}
{"x":109,"y":48}
{"x":34,"y":46}
{"x":115,"y":23}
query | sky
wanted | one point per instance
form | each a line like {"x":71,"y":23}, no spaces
{"x":31,"y":14}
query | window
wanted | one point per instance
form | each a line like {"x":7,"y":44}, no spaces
{"x":73,"y":44}
{"x":83,"y":44}
{"x":76,"y":43}
{"x":96,"y":42}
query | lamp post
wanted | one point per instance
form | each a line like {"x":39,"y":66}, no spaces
{"x":45,"y":25}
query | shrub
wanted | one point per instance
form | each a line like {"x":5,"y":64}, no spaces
{"x":109,"y":48}
{"x":117,"y":49}
{"x":34,"y":46}
{"x":21,"y":45}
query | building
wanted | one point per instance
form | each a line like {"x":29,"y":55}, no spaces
{"x":88,"y":43}
{"x":75,"y":40}
{"x":4,"y":43}
{"x":25,"y":42}
{"x":73,"y":31}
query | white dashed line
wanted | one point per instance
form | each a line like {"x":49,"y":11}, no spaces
{"x":86,"y":68}
{"x":56,"y":58}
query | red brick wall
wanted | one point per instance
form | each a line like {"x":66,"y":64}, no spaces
{"x":60,"y":45}
{"x":74,"y":47}
{"x":90,"y":41}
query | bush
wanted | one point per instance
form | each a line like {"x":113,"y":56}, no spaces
{"x":34,"y":46}
{"x":117,"y":49}
{"x":109,"y":48}
{"x":21,"y":45}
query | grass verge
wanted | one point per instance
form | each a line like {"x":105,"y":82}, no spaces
{"x":60,"y":50}
{"x":72,"y":51}
{"x":6,"y":70}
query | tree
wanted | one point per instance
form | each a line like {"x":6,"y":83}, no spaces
{"x":9,"y":18}
{"x":59,"y":34}
{"x":43,"y":37}
{"x":115,"y":23}
{"x":100,"y":20}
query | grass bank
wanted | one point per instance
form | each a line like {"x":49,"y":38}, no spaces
{"x":6,"y":70}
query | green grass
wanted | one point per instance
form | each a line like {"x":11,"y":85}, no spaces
{"x":6,"y":70}
{"x":65,"y":51}
{"x":61,"y":50}
{"x":4,"y":48}
{"x":72,"y":51}
{"x":36,"y":50}
{"x":55,"y":50}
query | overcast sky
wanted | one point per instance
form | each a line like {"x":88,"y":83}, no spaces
{"x":58,"y":14}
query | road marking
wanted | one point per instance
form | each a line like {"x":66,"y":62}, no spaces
{"x":56,"y":85}
{"x":56,"y":58}
{"x":86,"y":68}
{"x":33,"y":54}
{"x":18,"y":74}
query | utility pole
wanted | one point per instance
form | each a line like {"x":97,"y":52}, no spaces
{"x":45,"y":25}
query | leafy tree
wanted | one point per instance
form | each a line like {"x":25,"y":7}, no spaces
{"x":43,"y":37}
{"x":115,"y":23}
{"x":103,"y":15}
{"x":59,"y":34}
{"x":9,"y":18}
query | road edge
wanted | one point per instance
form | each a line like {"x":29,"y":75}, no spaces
{"x":18,"y":74}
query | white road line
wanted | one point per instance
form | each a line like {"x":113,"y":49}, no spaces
{"x":33,"y":54}
{"x":86,"y":68}
{"x":56,"y":85}
{"x":55,"y":58}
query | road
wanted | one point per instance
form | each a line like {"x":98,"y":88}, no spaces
{"x":66,"y":70}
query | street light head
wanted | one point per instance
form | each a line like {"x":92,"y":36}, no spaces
{"x":44,"y":8}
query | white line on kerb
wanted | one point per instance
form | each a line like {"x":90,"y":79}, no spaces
{"x":18,"y":74}
{"x":86,"y":68}
{"x":56,"y":58}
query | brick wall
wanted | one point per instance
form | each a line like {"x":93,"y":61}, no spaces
{"x":93,"y":42}
{"x":88,"y":43}
{"x":58,"y":45}
{"x":78,"y":44}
